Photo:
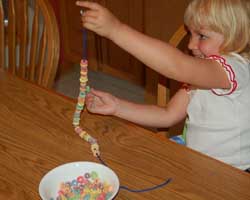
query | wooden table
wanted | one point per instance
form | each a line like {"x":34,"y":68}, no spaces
{"x":36,"y":135}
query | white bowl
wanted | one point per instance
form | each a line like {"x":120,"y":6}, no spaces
{"x":50,"y":183}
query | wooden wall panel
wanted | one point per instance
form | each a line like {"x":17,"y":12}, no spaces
{"x":158,"y":18}
{"x":162,"y":19}
{"x":116,"y":61}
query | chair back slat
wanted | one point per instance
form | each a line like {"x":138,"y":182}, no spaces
{"x":179,"y":35}
{"x":34,"y":43}
{"x":42,"y":60}
{"x":52,"y":48}
{"x":11,"y":40}
{"x":23,"y":37}
{"x":29,"y":40}
{"x":1,"y":35}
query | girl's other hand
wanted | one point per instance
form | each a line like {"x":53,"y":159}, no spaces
{"x":101,"y":102}
{"x":99,"y":19}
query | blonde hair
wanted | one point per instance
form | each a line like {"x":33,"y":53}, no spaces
{"x":231,"y":18}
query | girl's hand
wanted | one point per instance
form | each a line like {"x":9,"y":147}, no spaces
{"x":101,"y":102}
{"x":99,"y":19}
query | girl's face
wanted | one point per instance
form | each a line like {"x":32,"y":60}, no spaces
{"x":204,"y":42}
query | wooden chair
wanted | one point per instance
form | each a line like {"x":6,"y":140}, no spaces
{"x":29,"y":40}
{"x":166,"y":87}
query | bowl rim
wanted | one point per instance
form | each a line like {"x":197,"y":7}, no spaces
{"x":75,"y":163}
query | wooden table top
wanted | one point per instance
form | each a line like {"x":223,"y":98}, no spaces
{"x":36,"y":135}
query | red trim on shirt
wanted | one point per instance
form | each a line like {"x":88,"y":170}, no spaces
{"x":230,"y":71}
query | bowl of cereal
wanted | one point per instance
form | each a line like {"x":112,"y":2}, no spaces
{"x":79,"y":180}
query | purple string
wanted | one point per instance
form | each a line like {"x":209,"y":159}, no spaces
{"x":139,"y":190}
{"x":84,"y":44}
{"x":84,"y":41}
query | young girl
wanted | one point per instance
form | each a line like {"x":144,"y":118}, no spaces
{"x":216,"y":102}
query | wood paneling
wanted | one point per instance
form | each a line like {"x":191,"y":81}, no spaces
{"x":162,"y":19}
{"x":114,"y":60}
{"x":103,"y":55}
{"x":159,"y":20}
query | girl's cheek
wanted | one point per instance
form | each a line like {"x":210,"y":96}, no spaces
{"x":205,"y":50}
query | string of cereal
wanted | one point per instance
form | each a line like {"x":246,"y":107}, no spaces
{"x":84,"y":89}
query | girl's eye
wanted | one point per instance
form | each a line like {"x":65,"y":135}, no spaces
{"x":202,"y":37}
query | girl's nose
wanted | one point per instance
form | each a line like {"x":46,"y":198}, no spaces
{"x":193,"y":43}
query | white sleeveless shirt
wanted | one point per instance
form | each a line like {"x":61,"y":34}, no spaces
{"x":218,"y":122}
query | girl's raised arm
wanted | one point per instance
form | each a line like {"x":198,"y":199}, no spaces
{"x":154,"y":53}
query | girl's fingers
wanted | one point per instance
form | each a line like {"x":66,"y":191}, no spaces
{"x":90,"y":13}
{"x":88,"y":4}
{"x":90,"y":20}
{"x":91,"y":108}
{"x":90,"y":101}
{"x":98,"y":93}
{"x":89,"y":98}
{"x":89,"y":26}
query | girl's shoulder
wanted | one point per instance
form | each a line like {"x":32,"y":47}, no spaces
{"x":232,"y":62}
{"x":233,"y":57}
{"x":238,"y":72}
